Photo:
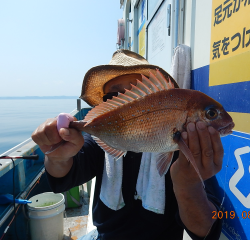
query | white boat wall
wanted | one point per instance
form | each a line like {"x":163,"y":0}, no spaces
{"x":217,"y":32}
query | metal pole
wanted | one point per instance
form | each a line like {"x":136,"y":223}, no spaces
{"x":79,"y":104}
{"x":176,"y":23}
{"x":79,"y":107}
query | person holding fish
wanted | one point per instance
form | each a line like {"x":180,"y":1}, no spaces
{"x":153,"y":148}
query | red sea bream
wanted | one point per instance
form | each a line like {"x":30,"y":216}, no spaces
{"x":150,"y":117}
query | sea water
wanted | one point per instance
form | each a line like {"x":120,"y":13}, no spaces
{"x":20,"y":117}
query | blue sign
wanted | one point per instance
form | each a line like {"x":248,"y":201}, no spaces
{"x":234,"y":186}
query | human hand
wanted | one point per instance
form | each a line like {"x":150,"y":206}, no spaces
{"x":47,"y":135}
{"x":206,"y":147}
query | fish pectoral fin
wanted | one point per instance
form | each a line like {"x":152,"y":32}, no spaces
{"x":116,"y":154}
{"x":188,"y":154}
{"x":163,"y":161}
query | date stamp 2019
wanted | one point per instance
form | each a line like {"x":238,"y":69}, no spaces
{"x":231,"y":214}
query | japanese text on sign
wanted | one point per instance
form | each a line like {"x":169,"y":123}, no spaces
{"x":227,"y":44}
{"x":228,"y":8}
{"x":230,"y":42}
{"x":230,"y":31}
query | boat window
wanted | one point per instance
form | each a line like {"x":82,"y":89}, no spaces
{"x":151,"y":7}
{"x":159,"y":37}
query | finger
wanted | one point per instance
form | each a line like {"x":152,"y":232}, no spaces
{"x":205,"y":144}
{"x":73,"y":141}
{"x":51,"y":132}
{"x":46,"y":133}
{"x":71,"y":135}
{"x":39,"y":135}
{"x":184,"y":136}
{"x":194,"y":143}
{"x":217,"y":147}
{"x":35,"y":136}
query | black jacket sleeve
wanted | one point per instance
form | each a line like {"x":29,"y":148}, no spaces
{"x":87,"y":162}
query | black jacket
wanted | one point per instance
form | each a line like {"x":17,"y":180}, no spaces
{"x":132,"y":221}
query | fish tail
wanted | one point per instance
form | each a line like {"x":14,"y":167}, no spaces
{"x":78,"y":125}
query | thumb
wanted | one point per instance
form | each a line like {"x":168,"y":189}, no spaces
{"x":64,"y":133}
{"x":71,"y":135}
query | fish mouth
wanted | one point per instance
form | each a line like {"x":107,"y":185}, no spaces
{"x":224,"y":131}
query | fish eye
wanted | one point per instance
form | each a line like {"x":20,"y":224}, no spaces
{"x":211,"y":113}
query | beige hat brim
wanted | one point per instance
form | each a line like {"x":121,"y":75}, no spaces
{"x":96,"y":77}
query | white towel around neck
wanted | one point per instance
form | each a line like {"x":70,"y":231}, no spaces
{"x":181,"y":66}
{"x":150,"y":185}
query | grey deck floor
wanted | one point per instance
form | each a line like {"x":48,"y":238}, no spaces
{"x":75,"y":219}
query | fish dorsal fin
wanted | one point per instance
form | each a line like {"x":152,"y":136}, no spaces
{"x":125,"y":97}
{"x":167,"y":84}
{"x":131,"y":94}
{"x":138,"y":91}
{"x":145,"y":87}
{"x":120,"y":100}
{"x":114,"y":102}
{"x":156,"y":82}
{"x":116,"y":154}
{"x":149,"y":84}
{"x":98,"y":110}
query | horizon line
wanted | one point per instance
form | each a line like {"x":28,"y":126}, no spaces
{"x":18,"y":97}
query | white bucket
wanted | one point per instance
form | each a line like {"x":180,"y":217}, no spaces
{"x":46,"y":216}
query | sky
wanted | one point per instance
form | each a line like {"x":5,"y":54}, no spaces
{"x":47,"y":46}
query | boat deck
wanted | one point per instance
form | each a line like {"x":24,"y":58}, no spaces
{"x":75,"y":219}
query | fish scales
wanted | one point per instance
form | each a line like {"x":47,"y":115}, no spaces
{"x":149,"y":119}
